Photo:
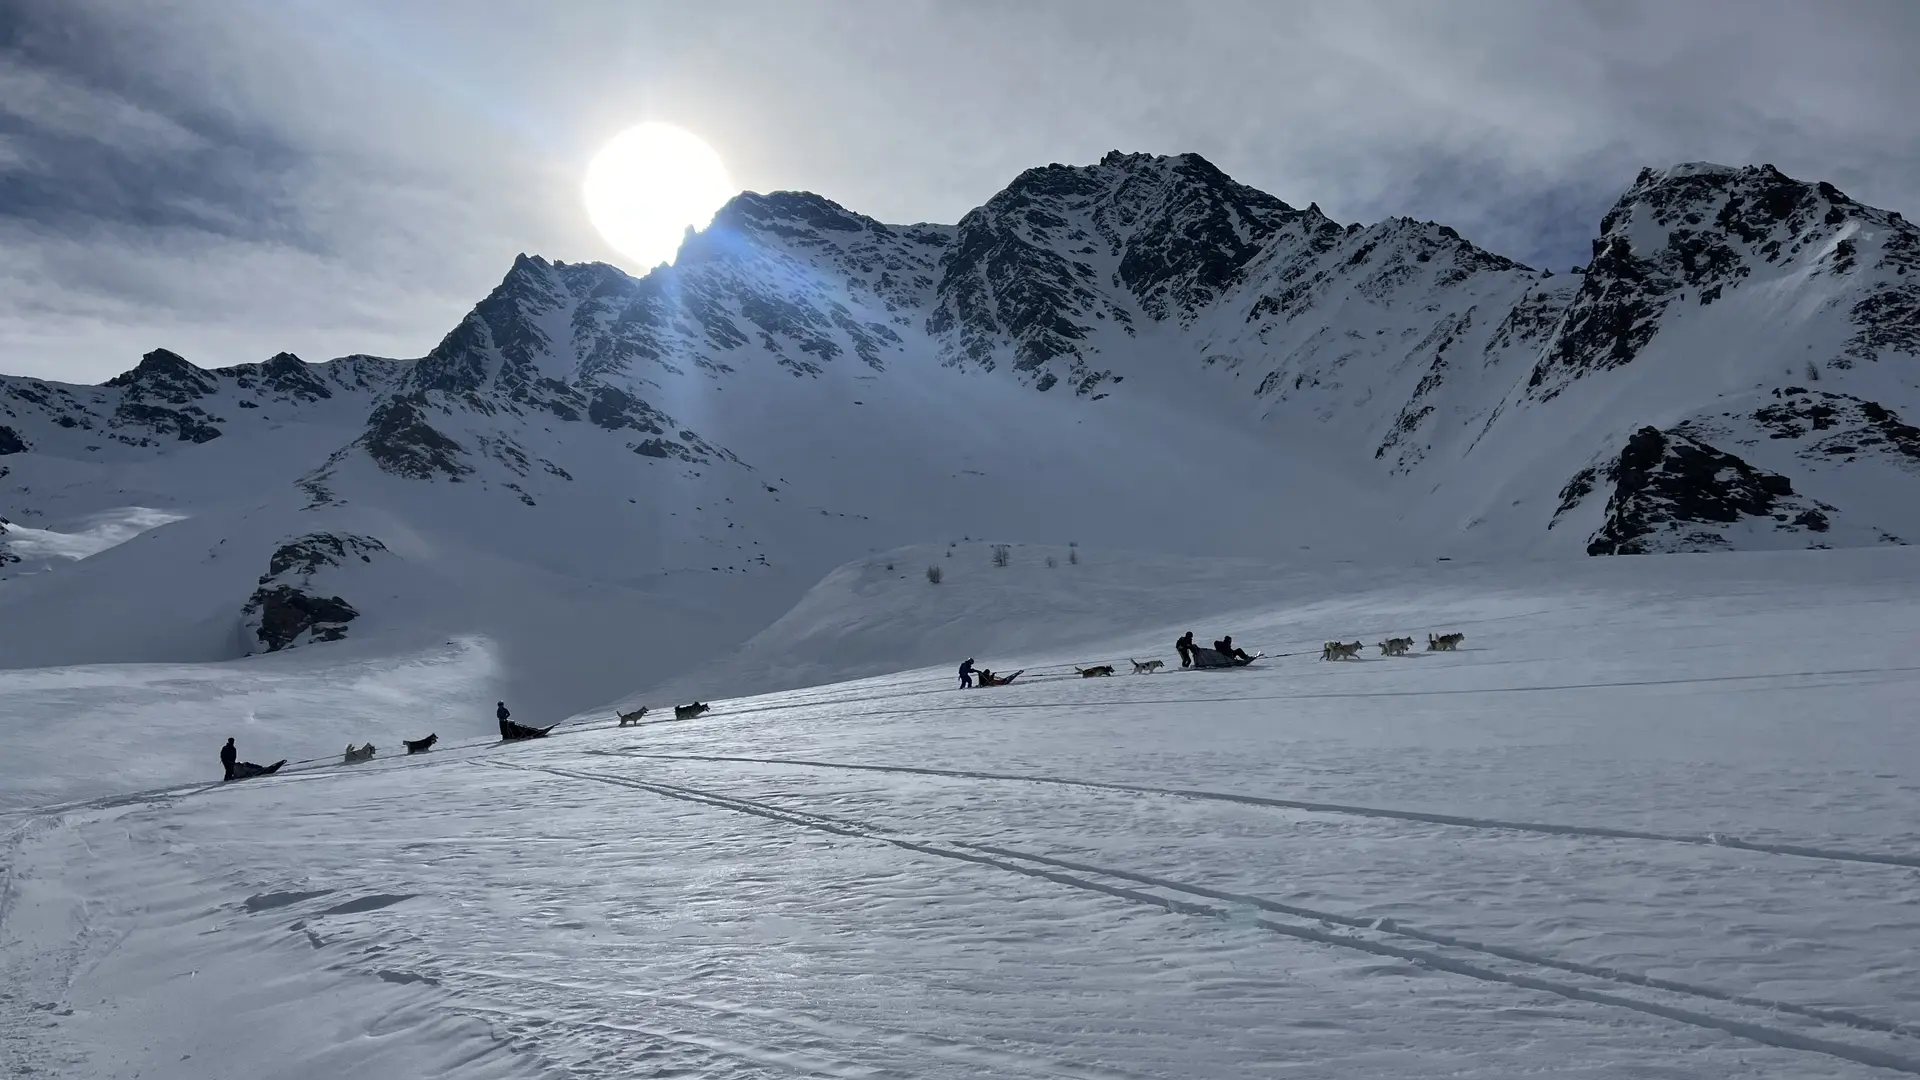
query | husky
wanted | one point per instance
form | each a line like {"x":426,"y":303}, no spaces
{"x":359,"y":753}
{"x":688,"y":712}
{"x":421,"y":746}
{"x":1396,"y":646}
{"x":1140,"y":668}
{"x":1097,"y":669}
{"x":1339,"y":650}
{"x":1444,"y":642}
{"x":630,"y":717}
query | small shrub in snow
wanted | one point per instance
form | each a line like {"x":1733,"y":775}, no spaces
{"x":1002,"y":555}
{"x":889,"y":568}
{"x":934,"y":574}
{"x":1813,"y":372}
{"x":1052,"y":562}
{"x":1073,"y":555}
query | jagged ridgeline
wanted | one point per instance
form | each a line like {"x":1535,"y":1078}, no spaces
{"x":1094,"y":349}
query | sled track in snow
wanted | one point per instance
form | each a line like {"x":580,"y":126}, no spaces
{"x":1054,"y":870}
{"x":1310,"y":806}
{"x":989,"y":1060}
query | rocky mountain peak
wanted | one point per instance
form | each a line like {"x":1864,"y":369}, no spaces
{"x":1696,"y":231}
{"x":166,"y":375}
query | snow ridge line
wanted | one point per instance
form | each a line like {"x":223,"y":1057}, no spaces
{"x":1459,"y":821}
{"x":1760,"y":1033}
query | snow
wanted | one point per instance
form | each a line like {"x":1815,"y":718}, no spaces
{"x":1656,"y":817}
{"x":100,"y":532}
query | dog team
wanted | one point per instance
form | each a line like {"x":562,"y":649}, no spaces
{"x":1393,"y":646}
{"x":1223,"y":654}
{"x":235,"y":769}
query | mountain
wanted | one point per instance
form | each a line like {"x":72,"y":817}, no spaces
{"x":611,"y":479}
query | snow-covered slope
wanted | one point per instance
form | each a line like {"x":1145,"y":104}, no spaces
{"x":1655,"y":818}
{"x":616,"y":478}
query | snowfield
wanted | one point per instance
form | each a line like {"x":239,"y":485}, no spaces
{"x":1656,"y":817}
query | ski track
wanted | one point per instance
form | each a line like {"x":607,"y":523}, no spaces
{"x":853,"y":1036}
{"x":1602,"y":831}
{"x":1761,"y":1033}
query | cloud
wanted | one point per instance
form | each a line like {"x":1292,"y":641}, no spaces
{"x":234,"y":177}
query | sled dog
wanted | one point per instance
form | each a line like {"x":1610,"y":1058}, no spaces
{"x":630,"y":717}
{"x":1444,"y":642}
{"x":1341,"y":650}
{"x":1097,"y":669}
{"x":1396,"y":646}
{"x":421,"y":746}
{"x":1142,"y":668}
{"x":358,"y":753}
{"x":688,"y":712}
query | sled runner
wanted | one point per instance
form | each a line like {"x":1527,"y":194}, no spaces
{"x":246,"y":770}
{"x":1204,"y":657}
{"x":511,"y":731}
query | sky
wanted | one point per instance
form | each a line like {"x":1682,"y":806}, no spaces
{"x":234,"y":178}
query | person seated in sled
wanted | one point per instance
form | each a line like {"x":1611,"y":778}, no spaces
{"x":1225,"y":647}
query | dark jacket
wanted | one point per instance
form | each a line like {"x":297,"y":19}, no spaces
{"x":228,"y":755}
{"x":501,"y":713}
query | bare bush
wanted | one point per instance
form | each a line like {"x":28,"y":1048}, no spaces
{"x":934,"y":574}
{"x":1002,"y":555}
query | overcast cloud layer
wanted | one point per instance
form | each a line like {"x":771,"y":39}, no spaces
{"x":232,"y":178}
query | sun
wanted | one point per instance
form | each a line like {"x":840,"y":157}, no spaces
{"x":644,"y":189}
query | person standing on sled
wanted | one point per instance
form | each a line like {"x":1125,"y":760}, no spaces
{"x":1185,"y":648}
{"x":966,"y":674}
{"x":228,"y":755}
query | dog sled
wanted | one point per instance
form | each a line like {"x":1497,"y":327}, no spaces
{"x":1204,"y":657}
{"x":357,"y":754}
{"x":247,"y":770}
{"x":512,"y":732}
{"x":991,"y":678}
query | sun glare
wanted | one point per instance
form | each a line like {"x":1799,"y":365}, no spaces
{"x":648,"y":185}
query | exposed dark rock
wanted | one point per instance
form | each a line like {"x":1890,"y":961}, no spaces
{"x":1015,"y":279}
{"x":400,"y":440}
{"x":1674,"y":493}
{"x":285,"y":613}
{"x":167,"y":377}
{"x":285,"y":606}
{"x":285,"y":376}
{"x":1827,"y":428}
{"x":188,"y":424}
{"x":1716,"y":224}
{"x":159,"y":396}
{"x":307,"y":554}
{"x":11,"y":442}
